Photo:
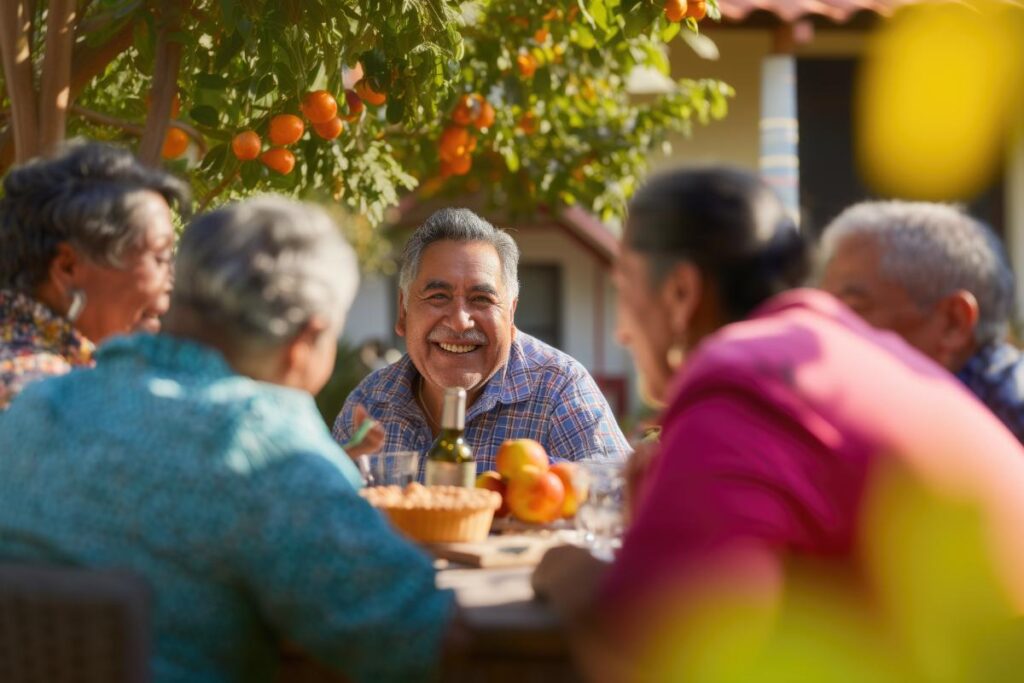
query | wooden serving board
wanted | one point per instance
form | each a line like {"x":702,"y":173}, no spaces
{"x":497,"y":551}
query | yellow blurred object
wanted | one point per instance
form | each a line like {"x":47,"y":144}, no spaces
{"x":939,"y":90}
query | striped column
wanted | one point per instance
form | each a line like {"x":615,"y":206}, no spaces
{"x":780,"y":130}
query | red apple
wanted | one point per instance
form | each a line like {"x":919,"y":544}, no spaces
{"x":493,"y":481}
{"x":535,"y":495}
{"x":516,"y":454}
{"x":575,"y":486}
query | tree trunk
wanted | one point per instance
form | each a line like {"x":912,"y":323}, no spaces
{"x":15,"y":28}
{"x":165,"y":85}
{"x":55,"y":90}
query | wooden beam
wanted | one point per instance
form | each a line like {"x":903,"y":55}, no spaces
{"x":55,"y":90}
{"x":15,"y":29}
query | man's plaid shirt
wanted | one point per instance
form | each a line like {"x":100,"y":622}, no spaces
{"x":541,"y":394}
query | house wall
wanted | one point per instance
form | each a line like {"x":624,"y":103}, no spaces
{"x":372,"y":313}
{"x":736,"y":139}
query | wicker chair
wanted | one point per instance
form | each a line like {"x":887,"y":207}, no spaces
{"x":64,"y":625}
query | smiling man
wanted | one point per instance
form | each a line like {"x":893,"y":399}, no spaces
{"x":459,"y":287}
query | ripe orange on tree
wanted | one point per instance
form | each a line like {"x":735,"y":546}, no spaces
{"x":457,"y":166}
{"x":246,"y":145}
{"x":527,"y":123}
{"x":455,"y":142}
{"x":286,"y":129}
{"x":368,"y":94}
{"x":330,"y":129}
{"x":355,"y":106}
{"x":278,"y":159}
{"x":175,"y":143}
{"x":466,"y":110}
{"x":319,"y":106}
{"x":485,"y":119}
{"x":698,"y":10}
{"x":527,"y":64}
{"x":675,"y":10}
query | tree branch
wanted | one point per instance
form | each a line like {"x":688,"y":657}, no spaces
{"x":217,"y":190}
{"x":136,"y":129}
{"x":56,"y":78}
{"x":165,"y":84}
{"x":88,"y":62}
{"x":15,"y":29}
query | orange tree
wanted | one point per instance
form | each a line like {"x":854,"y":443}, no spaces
{"x":356,"y":101}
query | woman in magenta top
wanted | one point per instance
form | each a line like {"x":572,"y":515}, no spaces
{"x":779,"y":405}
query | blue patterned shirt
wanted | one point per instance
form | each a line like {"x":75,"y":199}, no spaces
{"x":540,"y":393}
{"x":230,"y":497}
{"x":995,"y":374}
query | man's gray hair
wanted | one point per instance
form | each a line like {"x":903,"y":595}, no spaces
{"x":933,"y":250}
{"x":259,"y":270}
{"x":459,"y":225}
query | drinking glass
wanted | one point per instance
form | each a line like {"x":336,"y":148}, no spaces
{"x":396,"y":468}
{"x":599,"y":517}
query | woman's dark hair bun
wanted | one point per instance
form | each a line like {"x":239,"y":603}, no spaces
{"x":730,"y":224}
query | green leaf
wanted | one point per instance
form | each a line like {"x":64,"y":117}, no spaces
{"x":205,"y":115}
{"x":211,"y":81}
{"x":252,"y":173}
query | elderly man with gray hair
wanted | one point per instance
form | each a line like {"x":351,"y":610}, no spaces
{"x":197,"y":459}
{"x":942,"y":281}
{"x":458,"y":290}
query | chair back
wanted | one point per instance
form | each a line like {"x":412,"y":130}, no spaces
{"x":64,"y":624}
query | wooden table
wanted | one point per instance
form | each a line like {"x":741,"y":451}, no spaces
{"x":512,"y":636}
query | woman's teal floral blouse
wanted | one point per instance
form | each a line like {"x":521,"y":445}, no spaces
{"x":231,"y":498}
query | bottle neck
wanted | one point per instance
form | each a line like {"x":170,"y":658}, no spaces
{"x":453,"y":412}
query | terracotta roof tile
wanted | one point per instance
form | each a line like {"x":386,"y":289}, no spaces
{"x":838,"y":11}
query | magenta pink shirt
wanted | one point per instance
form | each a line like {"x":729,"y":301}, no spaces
{"x":773,"y":429}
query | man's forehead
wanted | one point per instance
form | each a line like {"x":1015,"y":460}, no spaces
{"x":449,"y":261}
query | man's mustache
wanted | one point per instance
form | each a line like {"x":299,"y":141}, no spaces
{"x":446,"y":334}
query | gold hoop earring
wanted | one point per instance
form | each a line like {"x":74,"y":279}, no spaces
{"x":675,"y":356}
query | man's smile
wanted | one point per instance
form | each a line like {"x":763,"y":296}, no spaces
{"x":456,"y":348}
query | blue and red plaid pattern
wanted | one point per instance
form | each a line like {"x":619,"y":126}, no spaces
{"x":995,"y":374}
{"x":541,"y":394}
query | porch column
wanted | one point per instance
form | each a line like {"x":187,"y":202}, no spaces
{"x":780,"y":129}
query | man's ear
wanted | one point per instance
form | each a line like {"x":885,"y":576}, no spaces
{"x":680,"y":296}
{"x":512,"y":315}
{"x":959,"y":313}
{"x":400,"y":321}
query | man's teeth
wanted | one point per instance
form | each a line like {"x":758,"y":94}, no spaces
{"x":456,"y":348}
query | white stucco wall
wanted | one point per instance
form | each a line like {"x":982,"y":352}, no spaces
{"x":371,"y":314}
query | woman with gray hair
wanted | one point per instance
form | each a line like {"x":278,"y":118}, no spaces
{"x":86,"y":241}
{"x":210,"y":472}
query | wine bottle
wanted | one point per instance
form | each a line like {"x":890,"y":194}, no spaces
{"x":450,"y":460}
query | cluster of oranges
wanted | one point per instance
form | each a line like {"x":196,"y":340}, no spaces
{"x":455,"y":148}
{"x":321,"y":110}
{"x":677,"y":10}
{"x":175,"y":140}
